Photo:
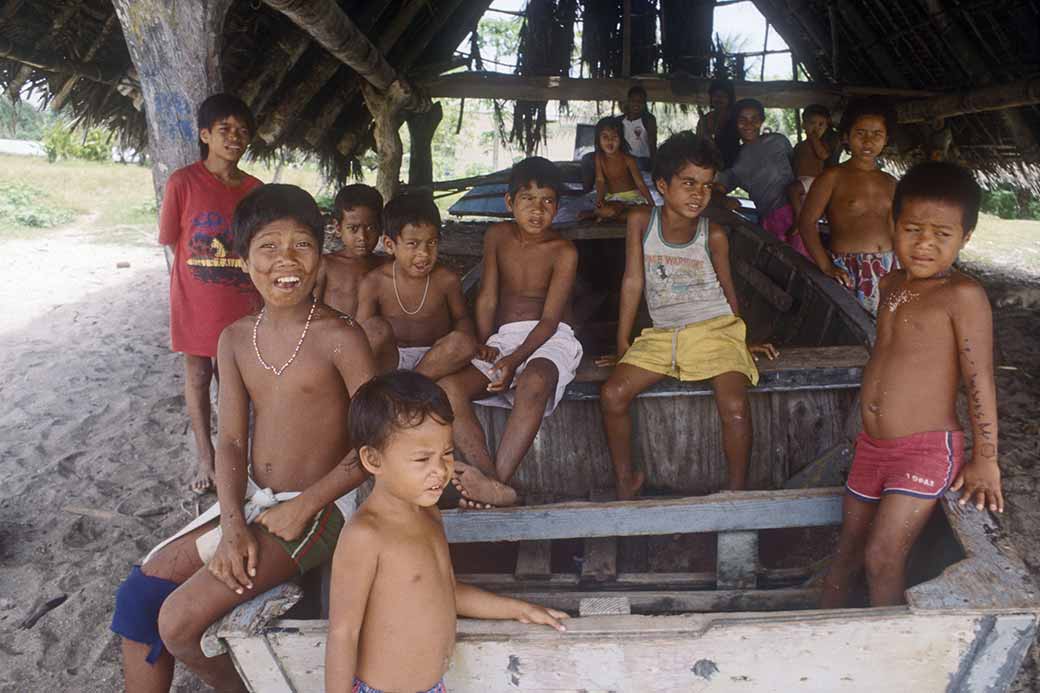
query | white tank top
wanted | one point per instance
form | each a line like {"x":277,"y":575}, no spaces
{"x":679,"y":280}
{"x":638,"y":139}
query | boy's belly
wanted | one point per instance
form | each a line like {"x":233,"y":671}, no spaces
{"x":908,"y":396}
{"x":419,"y":332}
{"x":860,"y":233}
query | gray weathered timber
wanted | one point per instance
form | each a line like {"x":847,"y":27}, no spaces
{"x":249,"y":618}
{"x":676,"y":440}
{"x":679,"y":601}
{"x":829,"y":469}
{"x":721,"y":512}
{"x":175,"y":48}
{"x":1000,"y":647}
{"x":600,"y":560}
{"x":992,"y":575}
{"x":737,"y":560}
{"x":533,"y":560}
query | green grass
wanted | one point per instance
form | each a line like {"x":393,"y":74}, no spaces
{"x":1005,"y":244}
{"x":24,"y":207}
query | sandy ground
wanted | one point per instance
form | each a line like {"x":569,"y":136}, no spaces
{"x":94,"y":445}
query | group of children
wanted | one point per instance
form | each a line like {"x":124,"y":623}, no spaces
{"x":379,"y":363}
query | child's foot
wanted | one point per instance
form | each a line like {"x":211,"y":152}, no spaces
{"x":203,"y":481}
{"x":478,"y":490}
{"x":631,"y":487}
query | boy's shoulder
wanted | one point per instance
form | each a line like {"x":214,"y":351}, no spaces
{"x":332,"y":324}
{"x":444,"y":278}
{"x":240,"y":330}
{"x":500,"y":229}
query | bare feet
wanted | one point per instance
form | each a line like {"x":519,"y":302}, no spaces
{"x":478,"y":489}
{"x":203,"y":481}
{"x":629,"y":488}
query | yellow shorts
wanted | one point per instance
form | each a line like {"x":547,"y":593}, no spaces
{"x":695,"y":352}
{"x":627,"y":197}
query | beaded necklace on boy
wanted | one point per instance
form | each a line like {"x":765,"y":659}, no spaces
{"x":398,"y":295}
{"x":256,"y":347}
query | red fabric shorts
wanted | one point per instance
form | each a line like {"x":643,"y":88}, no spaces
{"x":922,"y":465}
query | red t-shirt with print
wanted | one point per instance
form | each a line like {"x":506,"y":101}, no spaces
{"x":208,"y":288}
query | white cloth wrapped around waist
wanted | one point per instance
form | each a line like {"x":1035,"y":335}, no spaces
{"x":257,"y":500}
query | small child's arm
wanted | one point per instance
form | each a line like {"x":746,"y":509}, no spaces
{"x":473,"y":602}
{"x":235,"y":560}
{"x":979,"y":479}
{"x":457,"y":304}
{"x":601,"y":181}
{"x":352,"y":357}
{"x":813,"y":207}
{"x":631,"y":284}
{"x":718,"y":244}
{"x":354,"y":568}
{"x":565,"y":269}
{"x":368,"y":296}
{"x":487,"y":297}
{"x":637,"y":178}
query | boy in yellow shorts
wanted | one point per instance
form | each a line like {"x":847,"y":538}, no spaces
{"x":681,"y":260}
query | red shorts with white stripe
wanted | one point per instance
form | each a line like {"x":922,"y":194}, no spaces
{"x":922,"y":465}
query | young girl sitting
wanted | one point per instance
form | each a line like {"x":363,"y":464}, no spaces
{"x":619,"y":184}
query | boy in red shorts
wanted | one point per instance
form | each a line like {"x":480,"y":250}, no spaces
{"x":935,"y":330}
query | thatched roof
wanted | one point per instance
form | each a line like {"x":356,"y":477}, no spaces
{"x":73,"y":53}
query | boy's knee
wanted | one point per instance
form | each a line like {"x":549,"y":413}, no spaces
{"x":179,"y":633}
{"x":733,"y":408}
{"x":882,"y":560}
{"x":540,"y":376}
{"x":614,"y":397}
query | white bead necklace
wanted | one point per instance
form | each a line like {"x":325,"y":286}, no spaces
{"x":398,"y":295}
{"x":256,"y":347}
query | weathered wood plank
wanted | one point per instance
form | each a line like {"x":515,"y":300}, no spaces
{"x":829,"y":469}
{"x":991,"y":576}
{"x":600,"y":564}
{"x":258,"y":666}
{"x":504,"y":582}
{"x":680,"y":601}
{"x":248,"y":619}
{"x":777,"y":297}
{"x":533,"y":560}
{"x":743,"y":510}
{"x":737,"y":560}
{"x":1001,"y":646}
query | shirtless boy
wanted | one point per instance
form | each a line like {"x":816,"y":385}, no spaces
{"x":935,"y":331}
{"x":413,"y":309}
{"x":811,"y":154}
{"x":857,"y":199}
{"x":619,"y":184}
{"x":682,"y":261}
{"x":394,"y":595}
{"x":359,"y":209}
{"x":528,"y":353}
{"x":295,"y":365}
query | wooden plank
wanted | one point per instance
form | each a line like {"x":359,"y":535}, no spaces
{"x":680,"y":601}
{"x":600,"y":564}
{"x":604,"y":605}
{"x":249,"y":618}
{"x":258,"y":666}
{"x":1000,"y":648}
{"x":777,"y":297}
{"x":737,"y":560}
{"x":504,"y":582}
{"x":533,"y":560}
{"x":991,"y":576}
{"x":721,"y":512}
{"x":829,"y":469}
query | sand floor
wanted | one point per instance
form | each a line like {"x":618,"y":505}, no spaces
{"x":94,"y":445}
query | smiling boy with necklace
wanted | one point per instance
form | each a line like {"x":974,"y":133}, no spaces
{"x":296,"y":365}
{"x":412,"y":308}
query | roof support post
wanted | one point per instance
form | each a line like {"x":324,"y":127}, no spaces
{"x":387,"y":115}
{"x":175,"y":47}
{"x":421,"y":128}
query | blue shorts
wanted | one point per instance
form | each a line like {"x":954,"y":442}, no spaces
{"x":362,"y":687}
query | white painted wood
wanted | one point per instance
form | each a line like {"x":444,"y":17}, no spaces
{"x":837,"y":651}
{"x":993,"y":663}
{"x":258,"y":666}
{"x":737,"y":560}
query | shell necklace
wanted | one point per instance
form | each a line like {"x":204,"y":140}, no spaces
{"x":398,"y":295}
{"x":256,"y":347}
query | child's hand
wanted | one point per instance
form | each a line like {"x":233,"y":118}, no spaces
{"x":607,"y":361}
{"x":234,"y":562}
{"x":980,"y":482}
{"x":502,"y":374}
{"x":487,"y":353}
{"x":532,"y":613}
{"x":286,"y":520}
{"x":839,"y":275}
{"x":767,"y":350}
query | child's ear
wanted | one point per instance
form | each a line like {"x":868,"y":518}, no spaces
{"x":661,"y":185}
{"x":967,"y":237}
{"x":390,"y":244}
{"x":509,"y":202}
{"x":204,"y":135}
{"x":370,"y":460}
{"x":245,"y":265}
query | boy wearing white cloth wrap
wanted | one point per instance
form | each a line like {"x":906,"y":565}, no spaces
{"x":529,"y":353}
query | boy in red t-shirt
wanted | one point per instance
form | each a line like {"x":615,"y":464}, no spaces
{"x":208,"y":288}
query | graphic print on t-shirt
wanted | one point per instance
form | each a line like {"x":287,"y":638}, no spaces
{"x":210,"y":256}
{"x":676,"y":277}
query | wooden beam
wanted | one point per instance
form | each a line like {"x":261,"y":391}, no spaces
{"x":680,"y":601}
{"x":326,"y":22}
{"x":626,"y":38}
{"x":105,"y":74}
{"x":330,"y":111}
{"x":1023,"y":92}
{"x":433,"y":28}
{"x":533,"y":560}
{"x":421,"y":129}
{"x":258,"y":90}
{"x":59,"y":98}
{"x":277,"y":123}
{"x":720,"y":512}
{"x":737,"y":560}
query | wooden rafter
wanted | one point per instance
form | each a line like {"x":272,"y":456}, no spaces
{"x":105,"y":74}
{"x":58,"y":100}
{"x":278,"y":121}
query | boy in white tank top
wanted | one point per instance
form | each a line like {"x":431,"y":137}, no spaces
{"x":681,"y":261}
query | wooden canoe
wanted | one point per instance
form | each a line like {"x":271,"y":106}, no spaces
{"x":688,"y":594}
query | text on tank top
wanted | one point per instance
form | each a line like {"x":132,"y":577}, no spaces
{"x":679,"y":280}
